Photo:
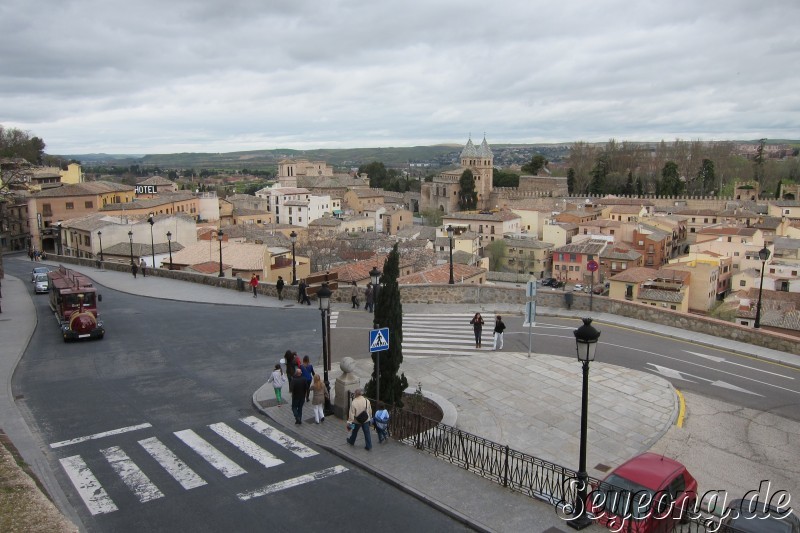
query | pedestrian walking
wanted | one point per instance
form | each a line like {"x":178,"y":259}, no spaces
{"x":254,"y":285}
{"x":31,"y":254}
{"x":303,"y":293}
{"x":359,"y":417}
{"x":278,"y":380}
{"x":499,"y":327}
{"x":292,"y":363}
{"x":279,"y":286}
{"x":308,"y":374}
{"x":143,"y":267}
{"x":354,"y":296}
{"x":381,"y":422}
{"x":369,"y":298}
{"x":477,"y":327}
{"x":298,"y":388}
{"x":134,"y":269}
{"x":318,"y":401}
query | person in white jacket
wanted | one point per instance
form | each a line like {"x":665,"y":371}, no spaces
{"x":277,"y":379}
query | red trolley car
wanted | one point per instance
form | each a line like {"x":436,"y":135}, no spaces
{"x":73,"y":300}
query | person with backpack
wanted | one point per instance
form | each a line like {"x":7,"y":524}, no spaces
{"x":359,"y":418}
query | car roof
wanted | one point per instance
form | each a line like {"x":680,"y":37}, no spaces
{"x":649,"y":470}
{"x":760,"y":509}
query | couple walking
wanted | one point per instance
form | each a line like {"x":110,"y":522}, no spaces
{"x":499,"y":327}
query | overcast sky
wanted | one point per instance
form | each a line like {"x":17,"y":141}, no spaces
{"x":165,"y":76}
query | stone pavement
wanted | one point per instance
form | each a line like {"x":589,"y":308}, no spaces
{"x":532,"y":405}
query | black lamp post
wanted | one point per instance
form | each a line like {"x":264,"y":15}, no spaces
{"x":169,"y":245}
{"x":375,"y":276}
{"x":58,"y":225}
{"x":324,"y":295}
{"x":586,"y":344}
{"x":763,"y":254}
{"x":450,"y":238}
{"x":219,"y":236}
{"x":152,"y":246}
{"x":293,"y":238}
{"x":100,"y":236}
{"x":130,"y":238}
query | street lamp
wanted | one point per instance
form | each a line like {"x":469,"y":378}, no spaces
{"x":219,"y":237}
{"x":763,"y":254}
{"x":324,"y":295}
{"x":375,"y":276}
{"x":130,"y":238}
{"x":152,"y":246}
{"x":169,"y":244}
{"x":58,"y":225}
{"x":450,"y":238}
{"x":100,"y":236}
{"x":293,"y":238}
{"x":586,"y":344}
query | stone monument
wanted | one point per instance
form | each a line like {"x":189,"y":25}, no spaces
{"x":345,"y":384}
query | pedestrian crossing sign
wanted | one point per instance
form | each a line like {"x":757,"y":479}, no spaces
{"x":378,"y":340}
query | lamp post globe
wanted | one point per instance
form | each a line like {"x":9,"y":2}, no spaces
{"x":586,"y":338}
{"x":151,"y":220}
{"x":293,"y":238}
{"x":130,"y":238}
{"x":100,"y":236}
{"x":375,"y":277}
{"x":220,"y":235}
{"x":169,"y":245}
{"x":763,"y":255}
{"x":450,"y":232}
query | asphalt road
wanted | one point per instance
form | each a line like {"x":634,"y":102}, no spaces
{"x":714,"y":373}
{"x":151,"y":428}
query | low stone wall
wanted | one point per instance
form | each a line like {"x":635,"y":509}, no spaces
{"x":483,"y":294}
{"x":508,"y":277}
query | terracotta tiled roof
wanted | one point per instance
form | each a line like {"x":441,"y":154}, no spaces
{"x":635,"y":275}
{"x":240,"y":256}
{"x":727,"y":230}
{"x":90,"y":188}
{"x":156,"y":180}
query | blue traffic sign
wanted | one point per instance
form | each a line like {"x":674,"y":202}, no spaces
{"x":379,"y":340}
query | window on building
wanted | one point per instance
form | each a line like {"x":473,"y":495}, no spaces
{"x":70,"y":205}
{"x":88,"y":204}
{"x":573,"y":257}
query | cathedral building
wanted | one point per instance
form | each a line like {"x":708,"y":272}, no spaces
{"x":443,"y":192}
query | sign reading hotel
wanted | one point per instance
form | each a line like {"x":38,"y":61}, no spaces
{"x":146,"y":189}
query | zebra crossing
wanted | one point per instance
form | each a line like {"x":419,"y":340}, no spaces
{"x":192,"y":446}
{"x":334,"y":318}
{"x":426,"y":335}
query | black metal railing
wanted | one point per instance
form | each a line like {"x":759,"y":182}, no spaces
{"x":515,"y":470}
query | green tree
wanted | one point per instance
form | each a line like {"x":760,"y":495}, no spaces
{"x":571,"y":180}
{"x":17,"y":143}
{"x":389,"y":314}
{"x":496,"y":251}
{"x":706,"y":176}
{"x":670,"y":184}
{"x":431,"y":217}
{"x":599,"y":174}
{"x":639,"y":187}
{"x":778,"y":189}
{"x":629,"y":188}
{"x":467,"y":198}
{"x":501,"y":178}
{"x":377,"y":173}
{"x":758,"y":162}
{"x":537,"y":163}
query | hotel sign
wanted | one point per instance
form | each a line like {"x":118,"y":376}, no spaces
{"x":146,"y":189}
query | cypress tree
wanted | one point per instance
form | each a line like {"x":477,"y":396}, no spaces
{"x":389,"y":314}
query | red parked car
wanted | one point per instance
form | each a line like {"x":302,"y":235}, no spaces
{"x":647,"y":493}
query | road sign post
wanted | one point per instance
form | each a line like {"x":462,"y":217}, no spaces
{"x":530,"y":311}
{"x":378,"y":342}
{"x":592,"y":266}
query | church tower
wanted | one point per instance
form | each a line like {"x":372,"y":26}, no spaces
{"x":481,"y":161}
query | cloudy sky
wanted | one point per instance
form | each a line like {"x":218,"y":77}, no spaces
{"x":165,"y":76}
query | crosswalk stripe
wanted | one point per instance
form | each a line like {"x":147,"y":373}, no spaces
{"x":172,"y":464}
{"x":89,"y":489}
{"x":297,"y":448}
{"x":444,"y":352}
{"x":205,"y":450}
{"x":132,"y":475}
{"x":100,"y":435}
{"x":334,"y":318}
{"x":294,"y":482}
{"x":246,"y":445}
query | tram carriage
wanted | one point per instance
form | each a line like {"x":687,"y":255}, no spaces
{"x":73,"y":300}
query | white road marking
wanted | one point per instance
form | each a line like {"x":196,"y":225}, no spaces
{"x":205,"y":450}
{"x":675,"y":374}
{"x":670,"y":373}
{"x":246,"y":445}
{"x":294,"y":482}
{"x":706,"y":356}
{"x":99,"y":435}
{"x":279,"y":437}
{"x":726,"y":385}
{"x":131,"y":475}
{"x":172,"y":464}
{"x":89,"y":489}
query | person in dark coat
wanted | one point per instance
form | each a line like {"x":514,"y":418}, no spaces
{"x":304,"y":299}
{"x":134,"y":269}
{"x":298,"y":388}
{"x":369,"y":298}
{"x":279,"y":286}
{"x":499,"y":327}
{"x":477,"y":327}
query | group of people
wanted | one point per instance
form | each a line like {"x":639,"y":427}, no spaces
{"x":141,"y":267}
{"x":499,"y":327}
{"x":360,"y":417}
{"x":36,"y":255}
{"x":369,"y":297}
{"x":304,"y":385}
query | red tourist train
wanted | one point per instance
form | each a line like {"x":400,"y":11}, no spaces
{"x":73,"y":300}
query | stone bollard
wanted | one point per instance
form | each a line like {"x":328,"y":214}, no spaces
{"x":345,"y":384}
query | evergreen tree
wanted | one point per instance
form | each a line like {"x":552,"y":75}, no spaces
{"x":468,"y":198}
{"x":706,"y":175}
{"x":599,"y":174}
{"x":389,"y":314}
{"x":778,"y":189}
{"x":629,"y":187}
{"x":571,"y":180}
{"x":670,"y":184}
{"x":537,"y":163}
{"x":639,"y":186}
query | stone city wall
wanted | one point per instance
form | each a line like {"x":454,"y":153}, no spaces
{"x":491,"y":294}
